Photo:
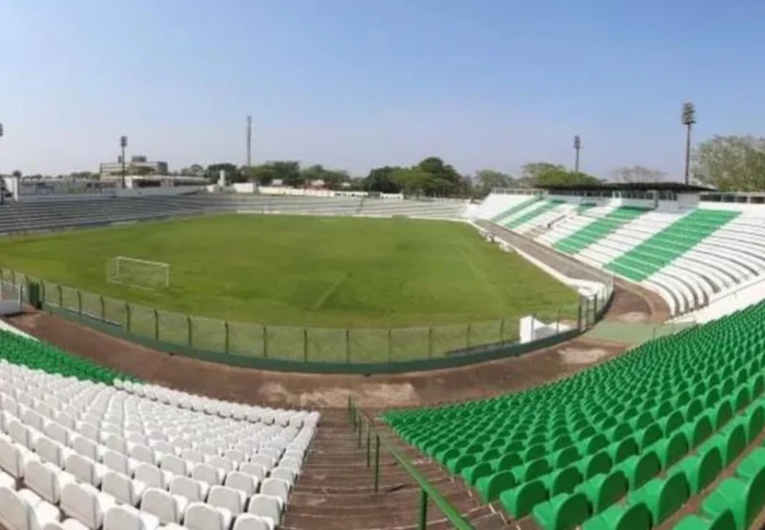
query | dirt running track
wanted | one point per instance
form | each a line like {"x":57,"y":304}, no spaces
{"x":331,"y":391}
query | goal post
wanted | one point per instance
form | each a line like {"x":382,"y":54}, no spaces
{"x":138,"y":273}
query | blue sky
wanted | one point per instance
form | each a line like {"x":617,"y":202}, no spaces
{"x":359,"y":83}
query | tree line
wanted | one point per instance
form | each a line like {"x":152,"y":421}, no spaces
{"x":727,"y":163}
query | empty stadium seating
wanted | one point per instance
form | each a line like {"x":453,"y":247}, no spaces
{"x":689,"y":257}
{"x":57,"y":213}
{"x":77,"y":452}
{"x":623,"y":445}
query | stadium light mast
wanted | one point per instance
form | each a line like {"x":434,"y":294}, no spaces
{"x":577,"y":148}
{"x":123,"y":145}
{"x":249,"y":140}
{"x":688,"y":118}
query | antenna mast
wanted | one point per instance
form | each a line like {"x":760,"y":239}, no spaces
{"x":249,"y":140}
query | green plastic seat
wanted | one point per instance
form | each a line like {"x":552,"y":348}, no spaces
{"x":724,"y":521}
{"x":662,"y":497}
{"x":520,"y":501}
{"x":562,"y":512}
{"x":605,"y":490}
{"x":621,"y":517}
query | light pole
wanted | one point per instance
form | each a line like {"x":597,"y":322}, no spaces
{"x":577,"y":148}
{"x":123,"y":145}
{"x":688,"y":118}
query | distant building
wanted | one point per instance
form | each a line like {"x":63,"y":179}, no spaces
{"x":137,"y":165}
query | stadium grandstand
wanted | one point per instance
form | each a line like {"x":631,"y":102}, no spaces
{"x":668,"y":434}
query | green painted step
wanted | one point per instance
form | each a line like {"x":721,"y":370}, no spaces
{"x":598,"y":229}
{"x":513,"y":210}
{"x":665,"y":246}
{"x":544,"y":207}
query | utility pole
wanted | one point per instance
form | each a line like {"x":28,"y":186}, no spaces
{"x":688,"y":118}
{"x":577,"y":148}
{"x":249,"y":141}
{"x":123,"y":145}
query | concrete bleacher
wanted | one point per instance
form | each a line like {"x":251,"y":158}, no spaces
{"x":59,"y":213}
{"x":690,"y":256}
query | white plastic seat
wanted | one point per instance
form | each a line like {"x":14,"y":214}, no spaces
{"x":235,"y":456}
{"x":88,"y":430}
{"x":9,"y":405}
{"x":58,"y":433}
{"x":7,"y":481}
{"x":200,"y":516}
{"x":87,"y":447}
{"x":85,"y":469}
{"x":206,"y":473}
{"x":248,"y":521}
{"x":22,"y":434}
{"x":174,"y":464}
{"x":67,"y":524}
{"x":52,"y":451}
{"x":13,"y":458}
{"x":152,"y":476}
{"x":128,"y":518}
{"x":267,"y":461}
{"x":32,"y":419}
{"x":231,"y":499}
{"x":285,"y":474}
{"x":167,"y":507}
{"x":119,"y":462}
{"x":24,"y":510}
{"x":116,"y":443}
{"x":267,"y":507}
{"x":122,"y":488}
{"x":86,"y":504}
{"x":143,"y":453}
{"x":221,"y":462}
{"x":254,"y":470}
{"x":193,"y":490}
{"x":46,"y":480}
{"x":242,"y":482}
{"x":192,"y":456}
{"x":276,"y":488}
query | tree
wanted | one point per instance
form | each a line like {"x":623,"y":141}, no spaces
{"x":16,"y":173}
{"x":381,"y":180}
{"x":194,"y":170}
{"x":731,"y":163}
{"x":233,"y":174}
{"x":637,"y":174}
{"x":542,"y":174}
{"x":412,"y":181}
{"x":263,"y":174}
{"x":288,"y":172}
{"x":487,"y":179}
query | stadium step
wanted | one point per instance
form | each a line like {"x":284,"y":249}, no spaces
{"x":336,"y":489}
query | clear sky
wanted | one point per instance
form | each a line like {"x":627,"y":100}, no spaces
{"x":359,"y":83}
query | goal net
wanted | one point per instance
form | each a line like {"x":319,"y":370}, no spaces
{"x":138,"y":273}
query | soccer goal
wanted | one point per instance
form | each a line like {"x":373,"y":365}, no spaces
{"x":138,"y":273}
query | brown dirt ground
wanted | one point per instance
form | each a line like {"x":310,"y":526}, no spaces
{"x":331,"y":391}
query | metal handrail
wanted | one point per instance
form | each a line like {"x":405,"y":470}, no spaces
{"x":360,"y":419}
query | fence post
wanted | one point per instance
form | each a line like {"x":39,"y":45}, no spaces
{"x":557,"y":322}
{"x":225,"y":336}
{"x":502,"y":330}
{"x":103,"y":308}
{"x":390,"y":345}
{"x":377,"y":462}
{"x":361,"y":430}
{"x":60,"y":297}
{"x":430,"y":342}
{"x":191,"y":338}
{"x":156,"y":324}
{"x":579,"y":316}
{"x":423,"y":522}
{"x":127,"y":314}
{"x":369,"y":444}
{"x":467,"y":335}
{"x":265,"y":342}
{"x":595,"y":308}
{"x":79,"y":302}
{"x":305,"y":344}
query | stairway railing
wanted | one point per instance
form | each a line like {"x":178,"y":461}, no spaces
{"x":363,"y":423}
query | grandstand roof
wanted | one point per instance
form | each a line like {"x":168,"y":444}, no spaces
{"x":677,"y":187}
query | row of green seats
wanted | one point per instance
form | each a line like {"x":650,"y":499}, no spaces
{"x":514,"y":209}
{"x":543,"y":207}
{"x":641,"y":411}
{"x":31,"y":353}
{"x":598,"y":229}
{"x":666,"y":246}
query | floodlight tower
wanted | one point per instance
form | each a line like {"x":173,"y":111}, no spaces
{"x":249,"y":140}
{"x":123,"y":145}
{"x":577,"y":148}
{"x":688,"y":118}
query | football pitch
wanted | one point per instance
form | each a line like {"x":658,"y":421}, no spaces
{"x":317,"y":272}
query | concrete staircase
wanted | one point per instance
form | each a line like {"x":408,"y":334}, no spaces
{"x":336,"y":488}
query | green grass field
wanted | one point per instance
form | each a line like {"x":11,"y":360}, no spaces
{"x":316,"y":272}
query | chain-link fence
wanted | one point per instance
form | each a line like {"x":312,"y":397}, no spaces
{"x":352,"y":345}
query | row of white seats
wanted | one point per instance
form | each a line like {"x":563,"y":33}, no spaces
{"x":224,"y":409}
